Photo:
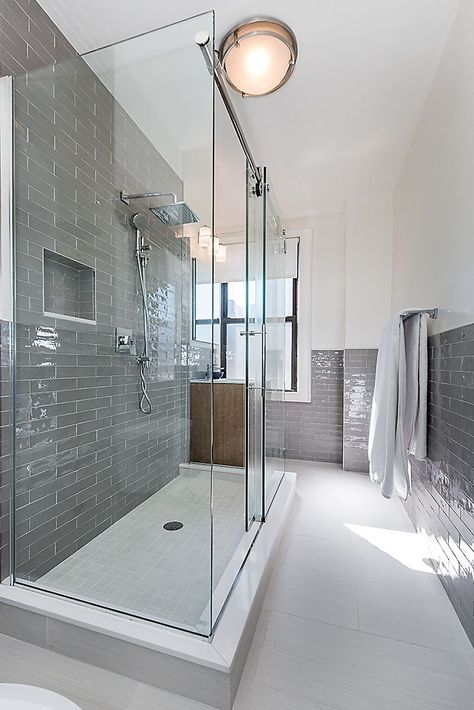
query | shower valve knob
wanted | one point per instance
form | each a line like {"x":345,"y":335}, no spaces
{"x":125,"y":340}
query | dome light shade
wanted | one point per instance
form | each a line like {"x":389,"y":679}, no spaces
{"x":259,"y":56}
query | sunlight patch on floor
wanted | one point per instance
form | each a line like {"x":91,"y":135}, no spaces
{"x":408,"y":548}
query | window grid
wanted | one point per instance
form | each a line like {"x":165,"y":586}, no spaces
{"x":225,"y":320}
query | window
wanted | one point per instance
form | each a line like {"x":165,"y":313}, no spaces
{"x":229,"y":321}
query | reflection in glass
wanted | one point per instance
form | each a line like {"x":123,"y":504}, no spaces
{"x":96,"y":478}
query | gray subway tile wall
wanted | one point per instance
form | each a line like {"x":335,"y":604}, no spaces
{"x":6,"y":446}
{"x":28,"y":40}
{"x":442,"y":501}
{"x":85,"y":455}
{"x":359,"y":382}
{"x":314,"y":429}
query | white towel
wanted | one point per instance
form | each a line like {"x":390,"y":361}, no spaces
{"x":399,"y":407}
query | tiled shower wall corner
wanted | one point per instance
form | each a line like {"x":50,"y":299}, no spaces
{"x":314,"y":429}
{"x":85,"y":454}
{"x":29,"y":39}
{"x":359,"y":382}
{"x":442,"y":502}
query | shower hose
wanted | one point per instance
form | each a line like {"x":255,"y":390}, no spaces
{"x":144,"y":403}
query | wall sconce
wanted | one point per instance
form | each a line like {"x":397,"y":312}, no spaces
{"x":221,"y":253}
{"x":204,"y":237}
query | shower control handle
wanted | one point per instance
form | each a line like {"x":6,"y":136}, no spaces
{"x":124,"y":340}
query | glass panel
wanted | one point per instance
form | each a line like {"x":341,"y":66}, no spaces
{"x":236,"y":299}
{"x":204,"y":333}
{"x":230,"y":541}
{"x":254,"y":347}
{"x":288,"y":354}
{"x":102,"y":465}
{"x":279,"y":301}
{"x":235,"y":351}
{"x":204,"y":301}
{"x":276,"y":306}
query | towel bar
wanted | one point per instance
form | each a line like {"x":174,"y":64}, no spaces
{"x":432,"y":312}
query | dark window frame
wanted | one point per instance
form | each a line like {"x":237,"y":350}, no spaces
{"x":224,"y":320}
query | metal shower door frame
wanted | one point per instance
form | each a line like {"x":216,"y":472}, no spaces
{"x":255,"y":460}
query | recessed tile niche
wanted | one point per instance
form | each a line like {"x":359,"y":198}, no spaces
{"x":69,"y":288}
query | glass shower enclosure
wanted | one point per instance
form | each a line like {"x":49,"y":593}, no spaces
{"x":120,"y":498}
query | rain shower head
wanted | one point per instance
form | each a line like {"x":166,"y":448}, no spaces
{"x":173,"y":215}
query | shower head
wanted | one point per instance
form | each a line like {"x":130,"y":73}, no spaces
{"x":138,"y":221}
{"x":175,"y":215}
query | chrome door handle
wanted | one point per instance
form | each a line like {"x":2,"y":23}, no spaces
{"x":251,"y":332}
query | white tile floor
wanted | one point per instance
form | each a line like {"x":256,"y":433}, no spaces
{"x":138,"y":566}
{"x":353,"y":620}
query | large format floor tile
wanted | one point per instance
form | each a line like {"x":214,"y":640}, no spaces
{"x":348,"y":668}
{"x":354,"y":619}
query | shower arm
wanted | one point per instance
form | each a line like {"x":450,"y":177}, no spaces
{"x":126,"y":198}
{"x":214,"y":67}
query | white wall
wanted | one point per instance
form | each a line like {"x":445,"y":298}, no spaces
{"x":328,"y":273}
{"x":433,"y":261}
{"x":369,"y":232}
{"x":351,"y":273}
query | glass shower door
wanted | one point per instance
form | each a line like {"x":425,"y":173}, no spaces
{"x":265,"y":333}
{"x":109,"y":182}
{"x":277,"y":291}
{"x":255,"y":348}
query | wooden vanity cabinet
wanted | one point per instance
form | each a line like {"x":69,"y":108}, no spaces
{"x":229,"y":423}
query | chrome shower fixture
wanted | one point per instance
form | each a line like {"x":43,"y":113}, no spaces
{"x":142,"y":249}
{"x":173,"y":215}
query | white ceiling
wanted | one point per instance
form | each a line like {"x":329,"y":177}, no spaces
{"x":343,"y":124}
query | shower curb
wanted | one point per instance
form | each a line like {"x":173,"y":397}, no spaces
{"x":205,"y":670}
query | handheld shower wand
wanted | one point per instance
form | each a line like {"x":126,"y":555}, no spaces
{"x":142,"y":250}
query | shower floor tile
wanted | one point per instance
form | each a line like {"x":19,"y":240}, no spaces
{"x":137,"y":566}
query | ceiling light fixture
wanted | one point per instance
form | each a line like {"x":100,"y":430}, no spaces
{"x":258,"y":56}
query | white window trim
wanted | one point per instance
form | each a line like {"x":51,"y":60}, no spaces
{"x":305,"y":277}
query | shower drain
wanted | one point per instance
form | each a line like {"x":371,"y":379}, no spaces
{"x":173,"y":525}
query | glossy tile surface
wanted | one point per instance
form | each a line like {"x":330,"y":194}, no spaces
{"x":353,"y":620}
{"x":314,"y":429}
{"x":137,"y":565}
{"x":442,"y":504}
{"x":359,"y":382}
